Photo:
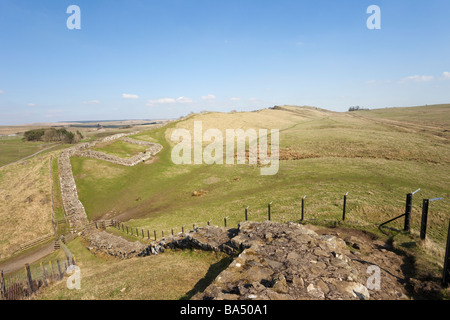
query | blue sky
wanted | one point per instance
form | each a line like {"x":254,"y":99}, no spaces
{"x":146,"y":59}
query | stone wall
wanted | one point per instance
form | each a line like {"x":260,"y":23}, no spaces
{"x":102,"y":241}
{"x":75,"y":212}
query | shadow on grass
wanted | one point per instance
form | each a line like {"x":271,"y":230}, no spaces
{"x":213,"y":271}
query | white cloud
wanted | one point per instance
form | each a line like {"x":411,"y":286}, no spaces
{"x":235,"y":99}
{"x":160,"y":101}
{"x":184,"y":100}
{"x":209,"y":97}
{"x":169,"y":101}
{"x":130,"y":96}
{"x":417,"y":78}
{"x":31,"y":105}
{"x":446,"y":75}
{"x":253,"y":99}
{"x":2,"y":92}
{"x":91,"y":102}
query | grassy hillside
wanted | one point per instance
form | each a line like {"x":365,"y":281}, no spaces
{"x":150,"y":278}
{"x":26,"y":205}
{"x":327,"y":154}
{"x":13,"y":149}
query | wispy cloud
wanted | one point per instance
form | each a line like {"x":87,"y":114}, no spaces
{"x":184,"y":100}
{"x":417,"y":78}
{"x":160,"y":101}
{"x":91,"y":102}
{"x":130,"y":96}
{"x":446,"y":75}
{"x":2,"y":92}
{"x":151,"y":103}
{"x":31,"y":104}
{"x":209,"y":97}
{"x":235,"y":99}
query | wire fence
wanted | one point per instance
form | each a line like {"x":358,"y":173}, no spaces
{"x":23,"y":284}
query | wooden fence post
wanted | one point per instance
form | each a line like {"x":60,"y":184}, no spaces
{"x":423,"y":225}
{"x":270,"y":204}
{"x":2,"y":286}
{"x":51,"y":270}
{"x":303,"y":208}
{"x":408,"y":211}
{"x":44,"y":278}
{"x":446,"y":275}
{"x":148,"y":234}
{"x":344,"y":207}
{"x":29,"y":279}
{"x":60,"y":275}
{"x":154,"y":231}
{"x":246,"y":213}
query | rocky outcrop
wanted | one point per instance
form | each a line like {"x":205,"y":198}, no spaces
{"x":290,"y":261}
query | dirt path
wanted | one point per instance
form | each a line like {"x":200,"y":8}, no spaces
{"x":19,"y":262}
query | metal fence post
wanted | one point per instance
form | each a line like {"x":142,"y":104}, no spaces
{"x":446,"y":275}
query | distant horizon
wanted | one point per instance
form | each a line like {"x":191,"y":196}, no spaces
{"x":165,"y":119}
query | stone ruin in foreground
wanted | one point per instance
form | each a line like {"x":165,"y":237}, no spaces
{"x":280,"y":262}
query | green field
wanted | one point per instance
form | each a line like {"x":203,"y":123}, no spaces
{"x":121,"y":149}
{"x":377,"y":162}
{"x":13,"y":149}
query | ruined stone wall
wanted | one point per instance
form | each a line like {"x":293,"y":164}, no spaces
{"x":75,"y":211}
{"x":101,"y":241}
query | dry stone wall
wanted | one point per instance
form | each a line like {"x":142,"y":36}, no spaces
{"x":73,"y":207}
{"x":101,"y":241}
